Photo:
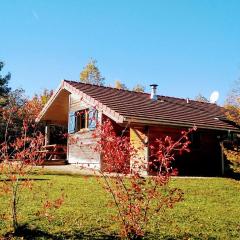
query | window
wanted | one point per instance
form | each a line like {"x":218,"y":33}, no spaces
{"x":81,"y":120}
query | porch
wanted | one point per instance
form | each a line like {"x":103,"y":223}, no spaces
{"x":55,"y":118}
{"x":55,"y":147}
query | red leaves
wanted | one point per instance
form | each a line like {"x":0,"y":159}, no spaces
{"x":49,"y":206}
{"x":116,"y":150}
{"x":19,"y":152}
{"x":164,"y":151}
{"x":138,"y":198}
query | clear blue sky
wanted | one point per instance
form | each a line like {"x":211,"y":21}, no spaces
{"x":187,"y":47}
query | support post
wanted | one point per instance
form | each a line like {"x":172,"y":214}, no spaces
{"x":47,"y":134}
{"x":222,"y":159}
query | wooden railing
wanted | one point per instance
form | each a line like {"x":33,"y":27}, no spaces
{"x":55,"y":151}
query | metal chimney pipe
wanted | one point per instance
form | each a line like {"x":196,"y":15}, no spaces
{"x":153,"y":91}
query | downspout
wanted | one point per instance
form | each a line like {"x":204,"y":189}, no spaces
{"x":69,"y":105}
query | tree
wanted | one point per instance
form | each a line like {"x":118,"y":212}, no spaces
{"x":18,"y":153}
{"x":138,"y":199}
{"x":43,"y":97}
{"x":16,"y":99}
{"x":232,"y":104}
{"x":91,"y":74}
{"x":120,"y":85}
{"x":20,"y":150}
{"x":232,"y":107}
{"x":201,"y":98}
{"x":139,"y":88}
{"x":4,"y":89}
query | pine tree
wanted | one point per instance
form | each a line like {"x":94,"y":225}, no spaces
{"x":4,"y":89}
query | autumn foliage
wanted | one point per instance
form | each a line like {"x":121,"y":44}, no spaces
{"x":20,"y":151}
{"x":232,"y":112}
{"x":138,"y":198}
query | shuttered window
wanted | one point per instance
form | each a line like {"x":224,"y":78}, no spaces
{"x":82,"y":119}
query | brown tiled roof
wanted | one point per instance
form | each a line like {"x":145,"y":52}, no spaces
{"x":165,"y":110}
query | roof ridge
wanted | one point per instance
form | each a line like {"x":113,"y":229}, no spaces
{"x":201,"y":108}
{"x":192,"y":100}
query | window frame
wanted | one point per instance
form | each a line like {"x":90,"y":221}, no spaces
{"x":78,"y":120}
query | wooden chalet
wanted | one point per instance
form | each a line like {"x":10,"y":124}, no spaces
{"x":144,"y":116}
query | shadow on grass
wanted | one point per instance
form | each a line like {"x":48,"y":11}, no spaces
{"x":25,"y":179}
{"x":235,"y":176}
{"x":179,"y":237}
{"x":27,"y":233}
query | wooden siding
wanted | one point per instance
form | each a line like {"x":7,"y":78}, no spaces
{"x":139,"y":139}
{"x":80,"y":150}
{"x":80,"y":144}
{"x":76,"y":104}
{"x":57,"y":113}
{"x":204,"y":158}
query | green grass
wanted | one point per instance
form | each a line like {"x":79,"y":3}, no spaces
{"x":210,"y":210}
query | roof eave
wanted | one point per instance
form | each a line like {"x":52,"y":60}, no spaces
{"x":86,"y":98}
{"x":174,"y":124}
{"x":49,"y":102}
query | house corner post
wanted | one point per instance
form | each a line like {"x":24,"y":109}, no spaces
{"x":139,"y":140}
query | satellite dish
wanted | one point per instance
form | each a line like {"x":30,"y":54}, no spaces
{"x":214,"y":97}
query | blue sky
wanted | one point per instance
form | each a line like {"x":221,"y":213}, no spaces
{"x":187,"y":47}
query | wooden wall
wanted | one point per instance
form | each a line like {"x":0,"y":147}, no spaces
{"x":204,"y":158}
{"x":80,"y":144}
{"x":139,"y":138}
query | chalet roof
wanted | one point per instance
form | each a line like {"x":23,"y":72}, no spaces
{"x":138,"y":107}
{"x":127,"y":106}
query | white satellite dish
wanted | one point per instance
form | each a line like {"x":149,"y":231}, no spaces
{"x":214,"y":97}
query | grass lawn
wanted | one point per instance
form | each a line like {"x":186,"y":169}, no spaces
{"x":211,"y":210}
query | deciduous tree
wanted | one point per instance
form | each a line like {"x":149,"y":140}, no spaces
{"x":138,"y":198}
{"x":16,"y":100}
{"x":139,"y":88}
{"x":119,"y":85}
{"x":201,"y":98}
{"x":21,"y":150}
{"x":91,"y":74}
{"x":232,"y":107}
{"x":18,"y":153}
